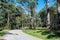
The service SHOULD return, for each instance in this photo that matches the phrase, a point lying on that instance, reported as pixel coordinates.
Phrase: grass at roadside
(3, 32)
(39, 32)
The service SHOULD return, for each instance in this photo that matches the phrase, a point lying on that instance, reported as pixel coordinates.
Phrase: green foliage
(1, 33)
(53, 12)
(8, 14)
(43, 17)
(43, 34)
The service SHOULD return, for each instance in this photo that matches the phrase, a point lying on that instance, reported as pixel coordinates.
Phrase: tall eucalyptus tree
(48, 14)
(31, 5)
(20, 14)
(58, 8)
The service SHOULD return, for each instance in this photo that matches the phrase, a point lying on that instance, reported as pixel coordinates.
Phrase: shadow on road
(11, 33)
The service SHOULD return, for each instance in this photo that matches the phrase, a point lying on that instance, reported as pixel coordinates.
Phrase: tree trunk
(48, 14)
(8, 27)
(48, 20)
(58, 5)
(34, 19)
(22, 20)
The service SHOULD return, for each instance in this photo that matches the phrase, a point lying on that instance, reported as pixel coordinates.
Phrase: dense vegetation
(41, 33)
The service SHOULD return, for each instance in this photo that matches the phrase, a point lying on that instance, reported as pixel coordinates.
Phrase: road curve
(18, 35)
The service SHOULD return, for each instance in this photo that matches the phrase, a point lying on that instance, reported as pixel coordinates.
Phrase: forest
(22, 14)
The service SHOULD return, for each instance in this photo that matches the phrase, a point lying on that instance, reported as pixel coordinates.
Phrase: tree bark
(48, 14)
(8, 22)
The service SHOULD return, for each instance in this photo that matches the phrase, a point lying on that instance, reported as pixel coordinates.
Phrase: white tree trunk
(8, 22)
(48, 14)
(48, 20)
